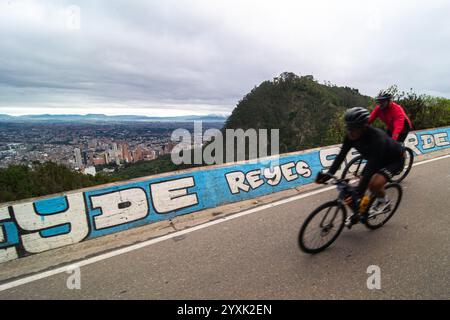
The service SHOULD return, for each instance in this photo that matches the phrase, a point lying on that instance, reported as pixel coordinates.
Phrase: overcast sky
(178, 57)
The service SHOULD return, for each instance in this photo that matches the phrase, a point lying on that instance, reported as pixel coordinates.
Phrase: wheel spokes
(378, 218)
(320, 234)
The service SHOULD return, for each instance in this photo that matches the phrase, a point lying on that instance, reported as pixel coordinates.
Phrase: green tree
(20, 181)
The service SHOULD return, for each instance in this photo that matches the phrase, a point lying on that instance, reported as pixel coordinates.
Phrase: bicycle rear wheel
(354, 169)
(322, 227)
(376, 219)
(407, 168)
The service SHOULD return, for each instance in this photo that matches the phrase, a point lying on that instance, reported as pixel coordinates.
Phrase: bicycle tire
(411, 161)
(367, 222)
(304, 247)
(350, 164)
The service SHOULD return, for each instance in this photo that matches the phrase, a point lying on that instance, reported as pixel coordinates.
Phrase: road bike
(324, 225)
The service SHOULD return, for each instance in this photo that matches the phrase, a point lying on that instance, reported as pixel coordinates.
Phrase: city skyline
(84, 146)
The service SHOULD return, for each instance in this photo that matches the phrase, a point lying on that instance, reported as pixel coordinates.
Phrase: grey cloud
(203, 56)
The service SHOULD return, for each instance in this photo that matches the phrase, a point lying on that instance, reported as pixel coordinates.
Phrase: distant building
(90, 170)
(92, 143)
(158, 152)
(106, 156)
(149, 154)
(137, 154)
(115, 151)
(84, 155)
(168, 147)
(78, 159)
(126, 156)
(91, 159)
(99, 161)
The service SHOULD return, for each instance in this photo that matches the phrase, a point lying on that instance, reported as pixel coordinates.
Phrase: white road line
(431, 160)
(115, 253)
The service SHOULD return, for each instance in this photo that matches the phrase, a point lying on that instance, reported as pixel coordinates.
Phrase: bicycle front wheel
(322, 227)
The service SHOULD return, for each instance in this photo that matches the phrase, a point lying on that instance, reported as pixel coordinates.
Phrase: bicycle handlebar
(334, 181)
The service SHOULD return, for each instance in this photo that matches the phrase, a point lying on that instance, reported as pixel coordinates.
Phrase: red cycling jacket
(393, 116)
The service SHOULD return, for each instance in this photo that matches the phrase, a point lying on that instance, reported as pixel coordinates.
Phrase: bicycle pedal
(351, 221)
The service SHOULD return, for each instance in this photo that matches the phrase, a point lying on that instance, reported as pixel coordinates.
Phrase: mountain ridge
(112, 118)
(307, 113)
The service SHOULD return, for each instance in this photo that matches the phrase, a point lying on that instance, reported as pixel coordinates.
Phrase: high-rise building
(168, 147)
(126, 153)
(78, 159)
(137, 154)
(91, 159)
(84, 157)
(111, 156)
(120, 153)
(114, 149)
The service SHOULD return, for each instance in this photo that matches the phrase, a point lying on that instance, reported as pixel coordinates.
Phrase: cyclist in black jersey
(385, 157)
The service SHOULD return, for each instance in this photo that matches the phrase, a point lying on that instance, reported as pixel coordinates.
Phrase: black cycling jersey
(376, 147)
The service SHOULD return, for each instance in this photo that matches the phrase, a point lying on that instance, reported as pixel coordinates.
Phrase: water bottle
(363, 204)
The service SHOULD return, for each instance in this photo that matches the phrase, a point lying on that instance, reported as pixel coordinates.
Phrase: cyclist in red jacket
(393, 115)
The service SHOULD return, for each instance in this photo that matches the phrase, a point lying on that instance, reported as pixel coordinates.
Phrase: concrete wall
(36, 225)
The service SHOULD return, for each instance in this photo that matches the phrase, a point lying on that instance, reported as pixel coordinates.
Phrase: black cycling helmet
(384, 96)
(356, 117)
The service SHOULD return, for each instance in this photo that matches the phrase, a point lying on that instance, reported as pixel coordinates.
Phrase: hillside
(21, 182)
(306, 112)
(145, 168)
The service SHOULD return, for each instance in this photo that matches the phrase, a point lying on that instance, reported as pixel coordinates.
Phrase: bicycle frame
(343, 188)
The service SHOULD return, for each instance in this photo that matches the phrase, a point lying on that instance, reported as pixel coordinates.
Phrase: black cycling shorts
(393, 168)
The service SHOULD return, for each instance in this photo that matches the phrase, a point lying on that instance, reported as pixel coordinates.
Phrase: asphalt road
(256, 256)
